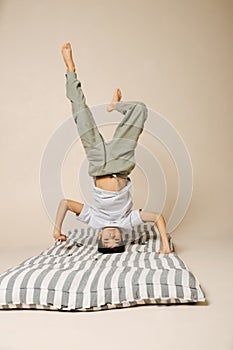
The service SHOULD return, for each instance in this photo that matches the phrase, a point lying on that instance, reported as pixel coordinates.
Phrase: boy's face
(110, 236)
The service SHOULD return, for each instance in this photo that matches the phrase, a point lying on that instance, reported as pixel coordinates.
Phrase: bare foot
(67, 55)
(116, 98)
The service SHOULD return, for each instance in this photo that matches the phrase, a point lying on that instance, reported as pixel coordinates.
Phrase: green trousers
(116, 156)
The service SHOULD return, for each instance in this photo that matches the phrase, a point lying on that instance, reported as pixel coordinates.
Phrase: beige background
(176, 56)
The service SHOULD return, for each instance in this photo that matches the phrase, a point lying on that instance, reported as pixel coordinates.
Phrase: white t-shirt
(110, 208)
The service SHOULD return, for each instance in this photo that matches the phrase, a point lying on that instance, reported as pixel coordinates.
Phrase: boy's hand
(61, 238)
(58, 236)
(165, 251)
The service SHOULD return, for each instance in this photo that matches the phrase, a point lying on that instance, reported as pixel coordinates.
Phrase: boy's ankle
(70, 68)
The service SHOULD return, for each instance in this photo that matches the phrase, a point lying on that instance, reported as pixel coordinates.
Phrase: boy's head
(110, 240)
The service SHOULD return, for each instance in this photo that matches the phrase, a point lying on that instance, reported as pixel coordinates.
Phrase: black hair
(117, 249)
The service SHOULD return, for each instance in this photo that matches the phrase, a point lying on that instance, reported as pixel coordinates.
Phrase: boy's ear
(100, 235)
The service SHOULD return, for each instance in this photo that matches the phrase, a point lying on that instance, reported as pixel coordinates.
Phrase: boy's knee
(142, 104)
(143, 108)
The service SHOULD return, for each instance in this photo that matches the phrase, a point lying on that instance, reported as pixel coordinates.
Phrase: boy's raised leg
(91, 138)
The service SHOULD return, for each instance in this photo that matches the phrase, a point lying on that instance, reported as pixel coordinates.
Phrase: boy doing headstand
(109, 165)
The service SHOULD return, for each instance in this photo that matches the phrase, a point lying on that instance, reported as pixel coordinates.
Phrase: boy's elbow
(158, 217)
(64, 202)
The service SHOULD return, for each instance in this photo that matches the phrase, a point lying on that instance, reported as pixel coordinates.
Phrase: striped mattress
(73, 275)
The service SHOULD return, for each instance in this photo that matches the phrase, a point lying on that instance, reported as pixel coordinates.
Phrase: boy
(110, 165)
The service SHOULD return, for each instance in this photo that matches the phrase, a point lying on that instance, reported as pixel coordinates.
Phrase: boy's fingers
(62, 238)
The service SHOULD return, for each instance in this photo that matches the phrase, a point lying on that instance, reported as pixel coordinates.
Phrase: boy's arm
(64, 206)
(159, 221)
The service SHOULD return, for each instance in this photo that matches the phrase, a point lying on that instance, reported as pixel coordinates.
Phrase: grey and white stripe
(70, 277)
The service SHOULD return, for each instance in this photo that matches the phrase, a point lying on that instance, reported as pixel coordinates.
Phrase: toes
(66, 46)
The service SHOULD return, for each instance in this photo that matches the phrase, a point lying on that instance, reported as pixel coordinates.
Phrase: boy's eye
(106, 239)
